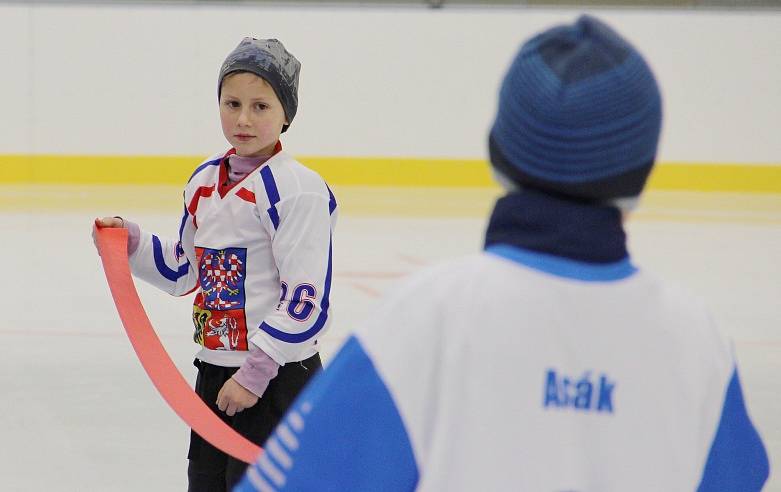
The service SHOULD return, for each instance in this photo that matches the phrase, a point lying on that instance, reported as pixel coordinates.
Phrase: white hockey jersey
(257, 256)
(518, 370)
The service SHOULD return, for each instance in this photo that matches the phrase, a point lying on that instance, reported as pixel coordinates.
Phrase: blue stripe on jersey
(203, 166)
(737, 459)
(331, 201)
(272, 193)
(564, 267)
(165, 271)
(343, 433)
(321, 318)
(184, 221)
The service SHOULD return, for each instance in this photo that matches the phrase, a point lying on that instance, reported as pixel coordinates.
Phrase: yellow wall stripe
(716, 177)
(365, 171)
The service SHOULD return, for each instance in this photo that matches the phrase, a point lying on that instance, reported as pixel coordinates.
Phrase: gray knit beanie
(269, 60)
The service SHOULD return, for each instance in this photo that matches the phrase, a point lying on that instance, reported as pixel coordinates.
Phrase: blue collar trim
(564, 267)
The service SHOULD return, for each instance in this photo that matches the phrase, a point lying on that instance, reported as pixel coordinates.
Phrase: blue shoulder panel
(343, 433)
(565, 267)
(737, 459)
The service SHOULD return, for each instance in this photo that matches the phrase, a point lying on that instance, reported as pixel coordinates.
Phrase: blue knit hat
(579, 114)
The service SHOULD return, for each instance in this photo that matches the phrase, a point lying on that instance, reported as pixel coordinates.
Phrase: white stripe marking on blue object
(287, 437)
(258, 481)
(296, 421)
(271, 471)
(278, 452)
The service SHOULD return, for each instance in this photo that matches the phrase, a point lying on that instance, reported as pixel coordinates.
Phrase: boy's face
(251, 114)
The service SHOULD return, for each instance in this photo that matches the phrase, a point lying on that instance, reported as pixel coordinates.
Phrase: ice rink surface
(81, 415)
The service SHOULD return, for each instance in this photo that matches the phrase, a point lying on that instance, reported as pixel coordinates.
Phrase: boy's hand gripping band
(112, 245)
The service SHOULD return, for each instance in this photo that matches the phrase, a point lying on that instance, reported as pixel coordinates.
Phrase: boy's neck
(240, 166)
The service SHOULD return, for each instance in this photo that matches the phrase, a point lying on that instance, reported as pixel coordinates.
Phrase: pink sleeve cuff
(257, 371)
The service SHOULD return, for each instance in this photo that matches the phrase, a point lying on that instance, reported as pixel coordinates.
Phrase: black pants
(211, 470)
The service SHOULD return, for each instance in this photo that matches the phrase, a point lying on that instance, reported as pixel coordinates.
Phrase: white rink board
(136, 79)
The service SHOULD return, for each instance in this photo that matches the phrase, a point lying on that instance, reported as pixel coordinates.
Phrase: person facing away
(254, 245)
(548, 362)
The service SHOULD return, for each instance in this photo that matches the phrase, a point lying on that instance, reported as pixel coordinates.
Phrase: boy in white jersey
(548, 362)
(254, 245)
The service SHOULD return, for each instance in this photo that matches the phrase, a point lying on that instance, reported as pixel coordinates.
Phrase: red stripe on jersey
(246, 194)
(203, 191)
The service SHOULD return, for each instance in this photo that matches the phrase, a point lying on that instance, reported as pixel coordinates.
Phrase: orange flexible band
(112, 245)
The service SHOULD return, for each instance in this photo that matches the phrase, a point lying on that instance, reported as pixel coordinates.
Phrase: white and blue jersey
(516, 369)
(258, 255)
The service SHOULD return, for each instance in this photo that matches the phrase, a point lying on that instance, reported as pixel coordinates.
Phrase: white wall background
(409, 82)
